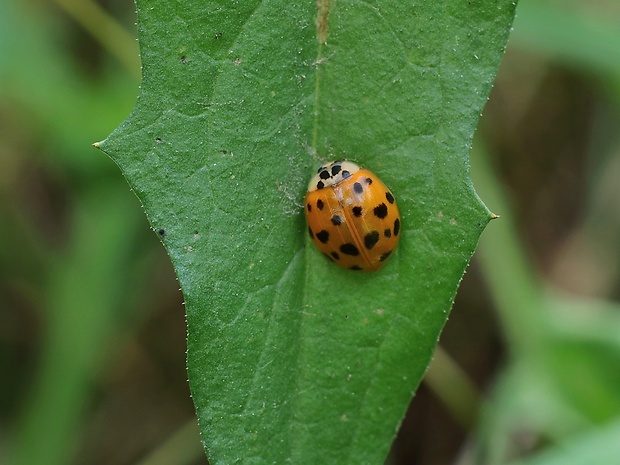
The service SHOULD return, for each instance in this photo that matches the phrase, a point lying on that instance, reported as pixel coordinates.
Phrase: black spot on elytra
(336, 220)
(385, 256)
(389, 197)
(335, 255)
(309, 207)
(357, 187)
(396, 226)
(355, 268)
(320, 204)
(323, 236)
(380, 211)
(387, 233)
(310, 232)
(369, 181)
(371, 239)
(349, 249)
(357, 211)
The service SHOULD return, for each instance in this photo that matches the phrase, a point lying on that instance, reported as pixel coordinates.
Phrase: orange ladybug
(352, 216)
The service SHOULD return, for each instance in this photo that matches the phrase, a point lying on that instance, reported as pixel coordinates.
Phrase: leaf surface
(291, 359)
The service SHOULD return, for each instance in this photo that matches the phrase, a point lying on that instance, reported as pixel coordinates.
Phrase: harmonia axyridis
(352, 216)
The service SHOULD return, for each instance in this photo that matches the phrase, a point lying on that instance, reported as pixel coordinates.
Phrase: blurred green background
(92, 329)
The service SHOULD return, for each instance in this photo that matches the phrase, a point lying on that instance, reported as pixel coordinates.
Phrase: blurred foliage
(92, 334)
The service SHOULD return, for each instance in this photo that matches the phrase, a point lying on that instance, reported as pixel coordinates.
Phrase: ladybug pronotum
(352, 216)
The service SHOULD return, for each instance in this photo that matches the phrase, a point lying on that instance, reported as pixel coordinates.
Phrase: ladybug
(352, 216)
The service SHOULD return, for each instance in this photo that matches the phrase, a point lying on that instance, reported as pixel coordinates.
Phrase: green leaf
(598, 445)
(291, 359)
